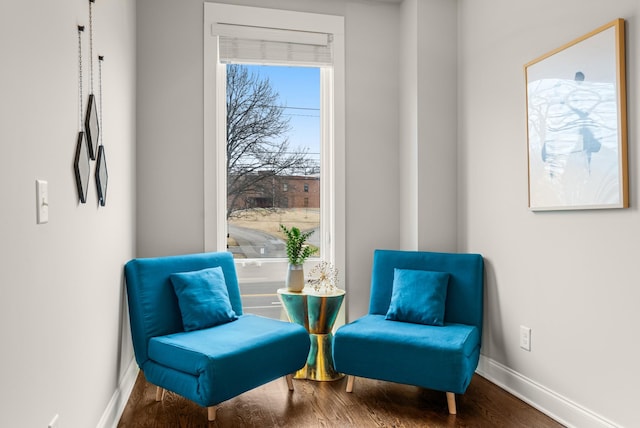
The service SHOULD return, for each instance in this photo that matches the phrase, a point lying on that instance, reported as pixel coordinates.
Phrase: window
(258, 37)
(273, 136)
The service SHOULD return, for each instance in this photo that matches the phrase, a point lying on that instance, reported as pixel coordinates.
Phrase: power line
(290, 108)
(298, 108)
(299, 115)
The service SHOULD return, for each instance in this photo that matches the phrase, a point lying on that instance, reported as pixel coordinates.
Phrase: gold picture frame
(577, 123)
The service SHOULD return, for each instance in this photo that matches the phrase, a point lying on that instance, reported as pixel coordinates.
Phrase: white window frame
(332, 126)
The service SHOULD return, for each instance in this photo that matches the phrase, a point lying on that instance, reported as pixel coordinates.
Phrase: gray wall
(570, 276)
(428, 125)
(65, 343)
(170, 130)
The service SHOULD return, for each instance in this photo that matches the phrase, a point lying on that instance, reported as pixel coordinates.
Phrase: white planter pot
(295, 278)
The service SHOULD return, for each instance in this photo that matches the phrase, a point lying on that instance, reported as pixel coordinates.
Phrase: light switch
(42, 201)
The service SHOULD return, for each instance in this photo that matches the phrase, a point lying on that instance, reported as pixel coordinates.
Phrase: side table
(317, 313)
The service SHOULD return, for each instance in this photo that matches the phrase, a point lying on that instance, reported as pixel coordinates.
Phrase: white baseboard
(112, 413)
(540, 397)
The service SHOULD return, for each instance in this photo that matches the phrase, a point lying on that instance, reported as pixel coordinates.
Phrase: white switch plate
(525, 338)
(42, 201)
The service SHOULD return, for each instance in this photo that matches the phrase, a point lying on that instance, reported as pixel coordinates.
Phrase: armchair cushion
(251, 340)
(203, 298)
(214, 364)
(418, 296)
(442, 358)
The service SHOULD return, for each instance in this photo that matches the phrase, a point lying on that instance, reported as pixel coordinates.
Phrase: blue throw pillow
(203, 298)
(418, 296)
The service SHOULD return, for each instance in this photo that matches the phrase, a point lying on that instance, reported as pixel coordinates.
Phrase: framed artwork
(577, 124)
(102, 176)
(92, 127)
(82, 167)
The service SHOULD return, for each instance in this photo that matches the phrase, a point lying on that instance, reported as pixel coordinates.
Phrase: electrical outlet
(54, 422)
(525, 338)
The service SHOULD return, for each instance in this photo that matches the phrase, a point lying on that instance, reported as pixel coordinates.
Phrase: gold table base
(317, 313)
(320, 361)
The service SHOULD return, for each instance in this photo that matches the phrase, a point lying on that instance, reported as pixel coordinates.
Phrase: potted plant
(297, 252)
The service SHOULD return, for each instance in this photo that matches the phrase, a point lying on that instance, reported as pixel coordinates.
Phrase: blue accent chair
(443, 357)
(210, 365)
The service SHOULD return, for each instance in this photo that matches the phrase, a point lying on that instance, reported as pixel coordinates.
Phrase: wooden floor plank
(326, 404)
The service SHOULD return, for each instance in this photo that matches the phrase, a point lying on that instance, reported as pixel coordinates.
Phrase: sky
(299, 90)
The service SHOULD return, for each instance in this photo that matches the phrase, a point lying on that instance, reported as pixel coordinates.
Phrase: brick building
(294, 191)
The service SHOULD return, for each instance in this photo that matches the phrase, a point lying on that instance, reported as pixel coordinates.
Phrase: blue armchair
(424, 324)
(210, 352)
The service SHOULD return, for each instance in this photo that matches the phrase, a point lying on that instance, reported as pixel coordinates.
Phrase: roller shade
(247, 45)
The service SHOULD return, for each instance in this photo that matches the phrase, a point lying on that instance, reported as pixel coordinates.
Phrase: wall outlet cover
(525, 338)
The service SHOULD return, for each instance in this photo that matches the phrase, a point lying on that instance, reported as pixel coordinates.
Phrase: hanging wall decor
(102, 176)
(81, 164)
(577, 124)
(91, 126)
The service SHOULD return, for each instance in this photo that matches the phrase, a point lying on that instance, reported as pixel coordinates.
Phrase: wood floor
(326, 404)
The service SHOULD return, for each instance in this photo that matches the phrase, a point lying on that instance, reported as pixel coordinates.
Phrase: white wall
(372, 119)
(428, 125)
(170, 129)
(408, 122)
(437, 125)
(65, 346)
(570, 276)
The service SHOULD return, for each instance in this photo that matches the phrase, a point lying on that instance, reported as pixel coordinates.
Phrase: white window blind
(261, 45)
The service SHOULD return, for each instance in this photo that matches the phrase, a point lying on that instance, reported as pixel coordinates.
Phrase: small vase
(295, 278)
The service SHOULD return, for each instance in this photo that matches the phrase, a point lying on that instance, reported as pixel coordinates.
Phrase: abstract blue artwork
(576, 114)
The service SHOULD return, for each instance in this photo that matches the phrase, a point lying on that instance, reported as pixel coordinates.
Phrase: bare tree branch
(257, 139)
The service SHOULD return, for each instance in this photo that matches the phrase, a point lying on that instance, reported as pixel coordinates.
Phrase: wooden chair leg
(451, 402)
(289, 381)
(350, 380)
(159, 394)
(211, 413)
